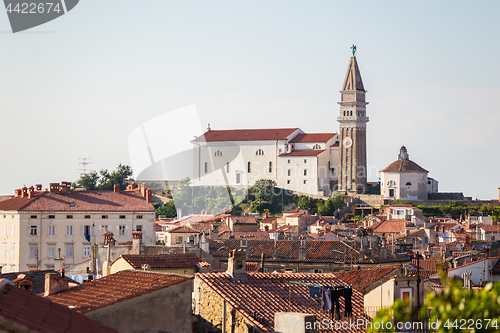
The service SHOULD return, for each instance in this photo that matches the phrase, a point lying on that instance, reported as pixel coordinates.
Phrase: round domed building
(406, 180)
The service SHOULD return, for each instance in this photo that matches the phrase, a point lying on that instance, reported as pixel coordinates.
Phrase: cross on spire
(353, 48)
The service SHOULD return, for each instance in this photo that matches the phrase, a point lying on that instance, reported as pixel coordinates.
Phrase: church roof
(353, 77)
(246, 135)
(313, 137)
(404, 166)
(310, 152)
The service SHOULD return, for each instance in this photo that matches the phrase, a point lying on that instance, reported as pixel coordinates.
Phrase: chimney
(18, 192)
(149, 195)
(236, 264)
(108, 239)
(54, 187)
(136, 242)
(179, 213)
(54, 284)
(31, 189)
(245, 247)
(63, 187)
(214, 232)
(116, 188)
(24, 192)
(266, 215)
(38, 187)
(302, 249)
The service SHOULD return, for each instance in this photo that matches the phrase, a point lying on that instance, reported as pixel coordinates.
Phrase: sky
(78, 86)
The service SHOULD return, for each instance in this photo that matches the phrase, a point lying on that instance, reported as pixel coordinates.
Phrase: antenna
(84, 161)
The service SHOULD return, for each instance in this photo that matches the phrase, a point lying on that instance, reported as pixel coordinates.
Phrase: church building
(309, 163)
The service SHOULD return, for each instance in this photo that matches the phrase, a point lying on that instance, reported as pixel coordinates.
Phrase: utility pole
(84, 161)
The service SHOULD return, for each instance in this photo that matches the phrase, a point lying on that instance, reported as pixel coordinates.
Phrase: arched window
(316, 146)
(248, 167)
(344, 113)
(408, 184)
(259, 152)
(391, 183)
(351, 112)
(218, 153)
(347, 132)
(270, 166)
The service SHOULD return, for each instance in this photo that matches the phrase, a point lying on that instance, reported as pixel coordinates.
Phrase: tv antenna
(84, 161)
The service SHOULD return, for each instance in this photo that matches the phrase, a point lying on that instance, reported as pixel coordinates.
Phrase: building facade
(40, 228)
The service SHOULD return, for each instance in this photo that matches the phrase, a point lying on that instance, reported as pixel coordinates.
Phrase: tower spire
(353, 80)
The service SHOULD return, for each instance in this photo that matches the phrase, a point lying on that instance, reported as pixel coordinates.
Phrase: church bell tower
(352, 132)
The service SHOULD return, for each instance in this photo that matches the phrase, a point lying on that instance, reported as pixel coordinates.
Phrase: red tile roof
(43, 315)
(243, 220)
(207, 226)
(246, 135)
(311, 152)
(313, 137)
(108, 201)
(296, 210)
(390, 226)
(363, 279)
(404, 166)
(244, 234)
(271, 293)
(426, 264)
(487, 228)
(114, 288)
(183, 229)
(37, 276)
(181, 260)
(268, 219)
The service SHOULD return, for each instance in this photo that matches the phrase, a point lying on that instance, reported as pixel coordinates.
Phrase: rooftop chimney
(116, 188)
(214, 232)
(266, 215)
(31, 189)
(149, 195)
(54, 187)
(136, 242)
(302, 249)
(38, 187)
(18, 192)
(63, 187)
(236, 265)
(24, 192)
(54, 284)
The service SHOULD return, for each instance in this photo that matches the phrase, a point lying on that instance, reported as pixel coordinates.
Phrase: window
(347, 132)
(12, 251)
(227, 167)
(4, 230)
(86, 230)
(86, 251)
(121, 230)
(428, 182)
(406, 293)
(104, 216)
(72, 204)
(391, 183)
(305, 181)
(69, 250)
(34, 230)
(259, 152)
(305, 172)
(289, 161)
(4, 249)
(52, 230)
(122, 216)
(391, 192)
(408, 184)
(87, 216)
(69, 230)
(316, 270)
(138, 217)
(12, 230)
(51, 251)
(218, 153)
(316, 146)
(52, 216)
(69, 216)
(248, 167)
(33, 216)
(270, 166)
(33, 251)
(178, 239)
(344, 113)
(288, 181)
(238, 178)
(305, 160)
(206, 167)
(138, 228)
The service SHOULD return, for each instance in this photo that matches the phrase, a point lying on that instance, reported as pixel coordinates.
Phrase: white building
(405, 179)
(38, 227)
(297, 161)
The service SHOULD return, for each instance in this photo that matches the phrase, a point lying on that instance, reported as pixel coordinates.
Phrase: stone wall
(210, 309)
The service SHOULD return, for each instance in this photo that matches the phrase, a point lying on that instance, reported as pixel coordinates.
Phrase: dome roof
(403, 164)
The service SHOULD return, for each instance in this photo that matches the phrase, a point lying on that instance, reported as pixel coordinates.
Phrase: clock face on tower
(347, 142)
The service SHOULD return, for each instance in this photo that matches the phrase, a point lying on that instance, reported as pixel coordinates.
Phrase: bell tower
(352, 132)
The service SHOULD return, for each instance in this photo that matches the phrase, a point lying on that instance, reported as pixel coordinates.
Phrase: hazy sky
(77, 86)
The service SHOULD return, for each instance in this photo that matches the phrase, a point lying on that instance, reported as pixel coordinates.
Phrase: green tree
(88, 181)
(331, 205)
(455, 309)
(104, 180)
(168, 210)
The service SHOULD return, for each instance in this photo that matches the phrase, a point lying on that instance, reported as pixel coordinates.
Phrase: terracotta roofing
(42, 315)
(181, 260)
(336, 144)
(243, 220)
(268, 219)
(288, 250)
(488, 228)
(109, 201)
(183, 229)
(295, 215)
(244, 234)
(37, 276)
(246, 135)
(114, 288)
(496, 268)
(404, 166)
(268, 293)
(295, 210)
(310, 152)
(424, 274)
(313, 137)
(207, 226)
(353, 77)
(390, 226)
(363, 279)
